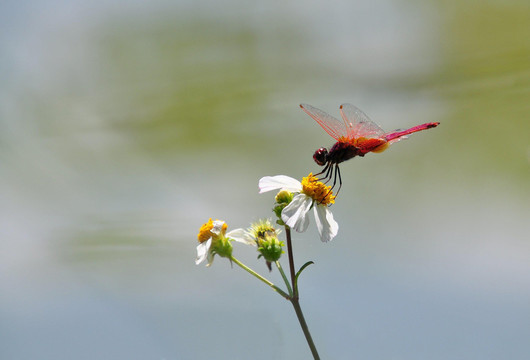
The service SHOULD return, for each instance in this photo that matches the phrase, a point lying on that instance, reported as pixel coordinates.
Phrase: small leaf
(302, 269)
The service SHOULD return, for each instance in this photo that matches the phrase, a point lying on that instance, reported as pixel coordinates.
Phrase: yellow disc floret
(212, 229)
(317, 190)
(205, 231)
(262, 229)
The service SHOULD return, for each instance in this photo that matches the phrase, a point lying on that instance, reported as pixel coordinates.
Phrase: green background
(124, 126)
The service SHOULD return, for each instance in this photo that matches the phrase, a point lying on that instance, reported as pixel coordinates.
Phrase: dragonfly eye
(321, 156)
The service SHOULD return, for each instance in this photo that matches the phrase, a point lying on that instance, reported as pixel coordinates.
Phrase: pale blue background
(125, 125)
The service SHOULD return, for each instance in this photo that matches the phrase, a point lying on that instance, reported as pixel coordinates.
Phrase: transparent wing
(334, 127)
(397, 135)
(394, 139)
(359, 124)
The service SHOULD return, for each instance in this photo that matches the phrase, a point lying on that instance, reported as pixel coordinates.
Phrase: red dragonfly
(357, 135)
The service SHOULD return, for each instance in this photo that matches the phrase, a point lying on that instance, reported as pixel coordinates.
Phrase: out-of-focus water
(125, 126)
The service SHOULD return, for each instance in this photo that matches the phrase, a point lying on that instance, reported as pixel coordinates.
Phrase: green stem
(305, 329)
(294, 298)
(252, 272)
(279, 266)
(291, 260)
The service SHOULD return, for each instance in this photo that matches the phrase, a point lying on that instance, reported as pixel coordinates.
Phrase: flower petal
(242, 236)
(210, 258)
(295, 214)
(268, 183)
(326, 225)
(217, 227)
(202, 251)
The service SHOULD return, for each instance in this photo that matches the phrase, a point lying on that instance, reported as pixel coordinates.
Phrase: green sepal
(222, 247)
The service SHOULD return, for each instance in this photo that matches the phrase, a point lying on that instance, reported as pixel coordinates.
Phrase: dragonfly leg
(329, 174)
(334, 177)
(323, 170)
(337, 172)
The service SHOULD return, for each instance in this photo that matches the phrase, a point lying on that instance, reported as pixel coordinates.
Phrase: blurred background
(124, 126)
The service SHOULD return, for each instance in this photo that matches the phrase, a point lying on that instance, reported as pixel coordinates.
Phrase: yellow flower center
(317, 190)
(204, 232)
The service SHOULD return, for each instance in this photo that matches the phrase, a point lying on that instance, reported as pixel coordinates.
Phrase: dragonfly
(356, 135)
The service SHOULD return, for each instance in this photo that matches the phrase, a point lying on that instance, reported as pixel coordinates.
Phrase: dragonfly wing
(394, 137)
(401, 134)
(359, 124)
(404, 137)
(334, 127)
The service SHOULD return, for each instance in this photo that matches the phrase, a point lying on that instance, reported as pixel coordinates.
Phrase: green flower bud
(284, 197)
(266, 237)
(278, 212)
(270, 248)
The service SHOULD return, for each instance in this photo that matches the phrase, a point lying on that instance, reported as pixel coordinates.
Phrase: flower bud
(266, 237)
(270, 248)
(284, 197)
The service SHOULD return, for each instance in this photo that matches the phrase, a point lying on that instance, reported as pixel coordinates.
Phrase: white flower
(242, 236)
(310, 193)
(203, 252)
(213, 239)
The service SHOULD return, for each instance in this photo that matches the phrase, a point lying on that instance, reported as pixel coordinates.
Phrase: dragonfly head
(321, 156)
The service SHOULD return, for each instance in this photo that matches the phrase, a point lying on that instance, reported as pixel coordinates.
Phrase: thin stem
(303, 324)
(252, 272)
(291, 260)
(279, 266)
(294, 297)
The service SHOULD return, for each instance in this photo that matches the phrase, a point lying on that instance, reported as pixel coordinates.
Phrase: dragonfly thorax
(342, 151)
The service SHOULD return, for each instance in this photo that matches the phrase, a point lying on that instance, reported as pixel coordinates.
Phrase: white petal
(268, 183)
(217, 227)
(295, 214)
(242, 236)
(326, 225)
(202, 251)
(210, 258)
